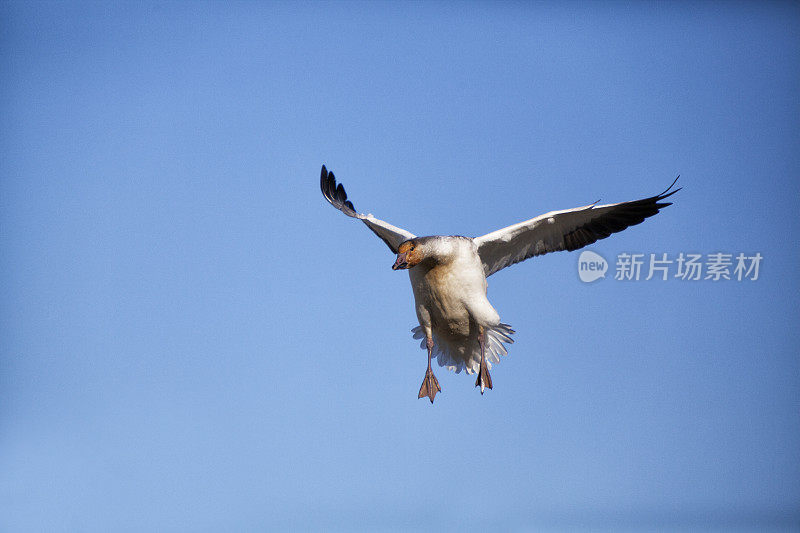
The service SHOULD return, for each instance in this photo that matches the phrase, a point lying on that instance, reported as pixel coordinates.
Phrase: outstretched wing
(569, 229)
(391, 235)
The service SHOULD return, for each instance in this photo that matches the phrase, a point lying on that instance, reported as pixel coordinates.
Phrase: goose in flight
(457, 324)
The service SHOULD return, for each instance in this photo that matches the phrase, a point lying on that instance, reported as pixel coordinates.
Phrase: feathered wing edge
(337, 197)
(335, 194)
(569, 229)
(445, 356)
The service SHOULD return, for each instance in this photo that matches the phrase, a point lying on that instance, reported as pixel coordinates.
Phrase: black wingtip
(325, 183)
(667, 190)
(335, 194)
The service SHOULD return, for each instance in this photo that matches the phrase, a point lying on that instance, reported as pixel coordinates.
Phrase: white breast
(451, 297)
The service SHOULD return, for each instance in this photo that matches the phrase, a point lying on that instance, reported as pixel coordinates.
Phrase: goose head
(410, 253)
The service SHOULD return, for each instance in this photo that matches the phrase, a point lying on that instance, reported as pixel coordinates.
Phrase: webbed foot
(430, 386)
(484, 379)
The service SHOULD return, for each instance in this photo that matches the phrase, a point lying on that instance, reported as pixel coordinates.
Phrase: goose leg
(484, 379)
(430, 385)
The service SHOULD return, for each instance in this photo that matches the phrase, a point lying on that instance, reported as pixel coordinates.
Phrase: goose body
(457, 324)
(451, 303)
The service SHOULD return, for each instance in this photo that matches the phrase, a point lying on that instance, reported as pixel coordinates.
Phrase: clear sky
(192, 339)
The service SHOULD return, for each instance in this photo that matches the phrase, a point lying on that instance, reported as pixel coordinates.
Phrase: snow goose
(457, 324)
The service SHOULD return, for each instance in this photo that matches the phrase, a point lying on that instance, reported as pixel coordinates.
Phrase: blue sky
(192, 339)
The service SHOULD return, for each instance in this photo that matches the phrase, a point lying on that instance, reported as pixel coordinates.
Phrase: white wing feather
(337, 197)
(569, 229)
